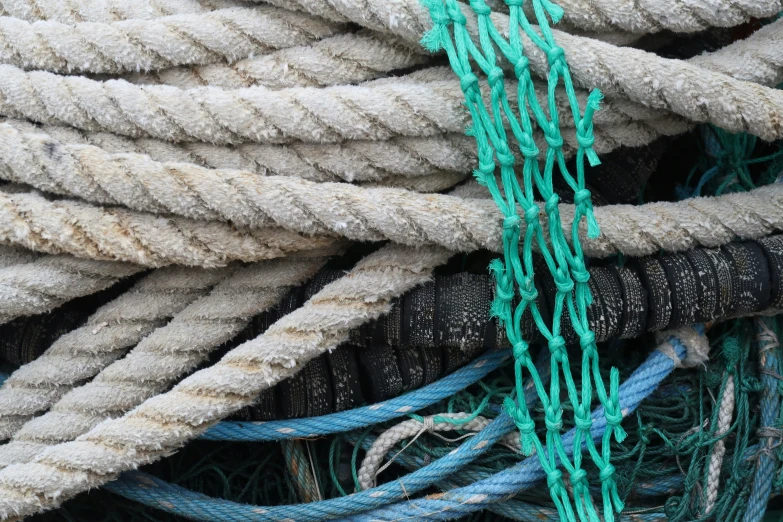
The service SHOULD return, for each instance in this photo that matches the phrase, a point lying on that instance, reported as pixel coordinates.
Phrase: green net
(515, 275)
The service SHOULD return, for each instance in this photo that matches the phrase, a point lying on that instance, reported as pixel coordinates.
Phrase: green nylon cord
(565, 262)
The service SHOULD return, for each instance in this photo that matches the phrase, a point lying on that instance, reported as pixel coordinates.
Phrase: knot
(587, 342)
(582, 196)
(551, 204)
(553, 138)
(579, 272)
(554, 55)
(520, 350)
(520, 68)
(439, 17)
(531, 214)
(504, 292)
(495, 75)
(563, 282)
(529, 149)
(511, 222)
(579, 478)
(557, 348)
(606, 473)
(486, 166)
(515, 3)
(469, 84)
(455, 13)
(613, 415)
(480, 7)
(582, 418)
(553, 419)
(584, 134)
(505, 158)
(529, 293)
(554, 479)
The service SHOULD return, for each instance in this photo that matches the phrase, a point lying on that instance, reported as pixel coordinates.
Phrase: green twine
(565, 262)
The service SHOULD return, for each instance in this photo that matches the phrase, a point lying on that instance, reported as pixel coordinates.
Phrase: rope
(523, 475)
(56, 227)
(372, 111)
(673, 85)
(337, 60)
(72, 11)
(769, 348)
(388, 162)
(643, 16)
(113, 329)
(725, 413)
(301, 472)
(366, 214)
(10, 256)
(167, 421)
(49, 281)
(133, 45)
(359, 417)
(163, 357)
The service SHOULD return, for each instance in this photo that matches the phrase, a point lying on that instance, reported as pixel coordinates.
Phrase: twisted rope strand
(338, 60)
(673, 85)
(361, 161)
(57, 227)
(641, 16)
(114, 328)
(373, 111)
(169, 420)
(133, 45)
(362, 214)
(159, 360)
(104, 11)
(10, 256)
(726, 411)
(49, 281)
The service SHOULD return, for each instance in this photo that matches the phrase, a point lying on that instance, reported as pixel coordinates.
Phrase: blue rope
(154, 492)
(770, 410)
(359, 417)
(460, 502)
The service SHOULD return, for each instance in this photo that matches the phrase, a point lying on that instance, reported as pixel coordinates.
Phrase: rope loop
(557, 348)
(582, 418)
(563, 281)
(529, 292)
(511, 223)
(553, 138)
(521, 351)
(469, 84)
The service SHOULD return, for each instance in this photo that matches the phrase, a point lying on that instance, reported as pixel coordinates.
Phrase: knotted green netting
(454, 26)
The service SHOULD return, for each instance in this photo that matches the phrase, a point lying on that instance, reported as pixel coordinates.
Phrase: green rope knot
(480, 7)
(582, 418)
(523, 422)
(563, 281)
(557, 348)
(551, 206)
(613, 413)
(521, 351)
(470, 85)
(455, 13)
(528, 292)
(553, 138)
(609, 489)
(515, 3)
(531, 215)
(553, 419)
(587, 342)
(555, 56)
(554, 479)
(521, 67)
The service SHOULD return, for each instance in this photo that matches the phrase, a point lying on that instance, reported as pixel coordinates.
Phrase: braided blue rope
(359, 417)
(152, 491)
(479, 495)
(770, 410)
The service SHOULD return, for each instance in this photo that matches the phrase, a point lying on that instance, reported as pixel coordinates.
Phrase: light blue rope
(770, 410)
(152, 491)
(359, 417)
(479, 495)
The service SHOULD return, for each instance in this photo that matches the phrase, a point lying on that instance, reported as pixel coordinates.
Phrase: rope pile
(244, 245)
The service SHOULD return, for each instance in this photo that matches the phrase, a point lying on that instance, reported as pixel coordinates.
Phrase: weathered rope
(159, 360)
(10, 256)
(725, 414)
(49, 281)
(364, 214)
(167, 421)
(673, 85)
(73, 11)
(337, 60)
(769, 436)
(133, 45)
(387, 161)
(56, 227)
(372, 111)
(644, 16)
(113, 329)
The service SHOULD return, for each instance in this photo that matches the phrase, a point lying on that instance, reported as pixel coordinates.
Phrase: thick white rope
(638, 16)
(413, 428)
(41, 160)
(365, 214)
(725, 413)
(49, 281)
(106, 336)
(673, 85)
(75, 11)
(132, 45)
(167, 421)
(374, 111)
(360, 161)
(338, 60)
(113, 234)
(160, 360)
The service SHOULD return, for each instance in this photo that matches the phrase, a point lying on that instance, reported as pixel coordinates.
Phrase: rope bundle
(249, 143)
